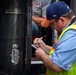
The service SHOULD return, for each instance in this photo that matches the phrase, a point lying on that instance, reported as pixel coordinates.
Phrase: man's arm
(49, 64)
(38, 20)
(46, 48)
(40, 54)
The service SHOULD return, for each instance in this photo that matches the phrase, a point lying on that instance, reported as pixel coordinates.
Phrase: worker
(61, 58)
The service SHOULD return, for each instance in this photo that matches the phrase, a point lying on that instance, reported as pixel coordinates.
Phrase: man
(61, 58)
(39, 10)
(38, 15)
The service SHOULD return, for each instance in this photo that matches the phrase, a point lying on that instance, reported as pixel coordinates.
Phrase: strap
(73, 26)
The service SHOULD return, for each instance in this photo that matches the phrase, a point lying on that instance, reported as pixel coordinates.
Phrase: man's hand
(39, 52)
(39, 43)
(38, 20)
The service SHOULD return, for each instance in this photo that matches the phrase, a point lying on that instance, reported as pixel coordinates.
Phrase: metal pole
(15, 36)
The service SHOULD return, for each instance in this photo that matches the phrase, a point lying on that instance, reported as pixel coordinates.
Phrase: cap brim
(45, 23)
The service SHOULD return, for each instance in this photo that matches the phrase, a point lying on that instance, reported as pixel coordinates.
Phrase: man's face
(56, 24)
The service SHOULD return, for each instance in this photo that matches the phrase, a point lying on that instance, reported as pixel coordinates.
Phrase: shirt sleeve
(36, 8)
(44, 5)
(65, 53)
(39, 7)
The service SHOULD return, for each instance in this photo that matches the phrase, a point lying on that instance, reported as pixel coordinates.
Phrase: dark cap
(56, 10)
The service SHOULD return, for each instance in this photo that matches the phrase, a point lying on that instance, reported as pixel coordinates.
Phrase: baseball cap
(54, 11)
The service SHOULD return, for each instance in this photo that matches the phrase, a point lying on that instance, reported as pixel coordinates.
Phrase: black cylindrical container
(13, 35)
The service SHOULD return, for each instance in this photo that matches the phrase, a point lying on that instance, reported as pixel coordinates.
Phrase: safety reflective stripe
(70, 27)
(72, 70)
(51, 51)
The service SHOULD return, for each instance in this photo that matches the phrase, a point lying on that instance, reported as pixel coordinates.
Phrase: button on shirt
(65, 53)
